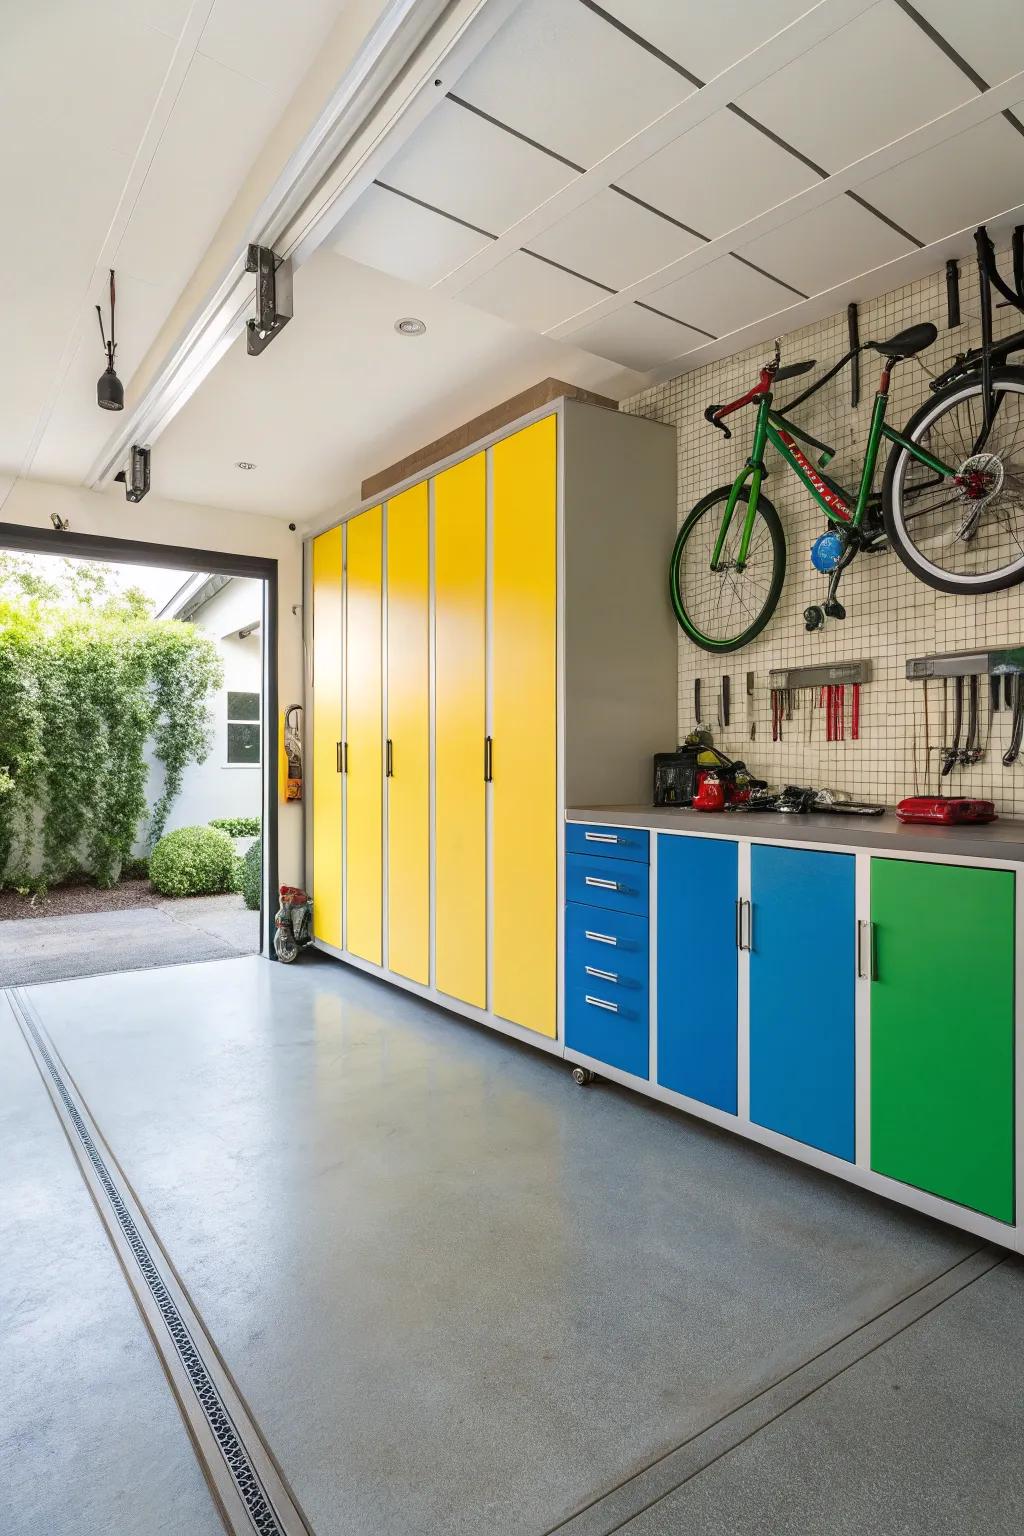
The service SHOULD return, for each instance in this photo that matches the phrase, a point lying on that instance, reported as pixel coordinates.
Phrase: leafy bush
(135, 869)
(237, 826)
(252, 876)
(193, 861)
(87, 679)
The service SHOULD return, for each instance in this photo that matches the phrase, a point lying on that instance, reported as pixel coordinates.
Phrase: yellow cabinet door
(407, 761)
(363, 703)
(460, 722)
(524, 718)
(327, 798)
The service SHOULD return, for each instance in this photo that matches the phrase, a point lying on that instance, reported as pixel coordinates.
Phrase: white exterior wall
(216, 787)
(107, 514)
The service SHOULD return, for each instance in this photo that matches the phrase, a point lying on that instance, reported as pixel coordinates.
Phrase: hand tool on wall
(696, 699)
(971, 750)
(1013, 750)
(855, 714)
(750, 705)
(995, 693)
(952, 753)
(1008, 690)
(725, 699)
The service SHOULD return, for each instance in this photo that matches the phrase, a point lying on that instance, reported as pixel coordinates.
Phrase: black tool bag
(675, 776)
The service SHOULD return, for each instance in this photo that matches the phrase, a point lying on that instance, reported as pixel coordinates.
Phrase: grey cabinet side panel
(621, 650)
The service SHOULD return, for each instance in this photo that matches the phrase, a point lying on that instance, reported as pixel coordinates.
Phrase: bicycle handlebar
(987, 261)
(711, 414)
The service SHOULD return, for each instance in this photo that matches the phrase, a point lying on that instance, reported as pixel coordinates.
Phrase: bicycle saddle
(794, 370)
(905, 343)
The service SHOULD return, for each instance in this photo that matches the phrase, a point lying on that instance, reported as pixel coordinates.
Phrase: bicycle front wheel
(725, 609)
(964, 532)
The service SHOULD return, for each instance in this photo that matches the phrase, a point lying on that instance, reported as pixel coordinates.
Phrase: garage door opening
(138, 756)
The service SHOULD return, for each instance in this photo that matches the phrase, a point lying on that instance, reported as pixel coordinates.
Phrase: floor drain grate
(248, 1486)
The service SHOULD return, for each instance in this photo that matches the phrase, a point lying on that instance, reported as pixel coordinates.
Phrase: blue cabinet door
(802, 996)
(697, 968)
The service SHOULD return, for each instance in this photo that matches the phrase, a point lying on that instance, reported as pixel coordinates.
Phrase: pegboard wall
(891, 615)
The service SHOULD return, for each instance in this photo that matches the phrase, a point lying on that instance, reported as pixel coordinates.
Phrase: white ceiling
(609, 192)
(128, 127)
(824, 145)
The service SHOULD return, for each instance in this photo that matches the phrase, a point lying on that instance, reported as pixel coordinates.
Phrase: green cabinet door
(942, 1030)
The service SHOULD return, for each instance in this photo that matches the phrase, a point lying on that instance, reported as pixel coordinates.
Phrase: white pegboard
(891, 615)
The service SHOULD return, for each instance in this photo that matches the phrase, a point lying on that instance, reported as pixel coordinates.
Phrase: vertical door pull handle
(750, 925)
(338, 756)
(488, 759)
(389, 766)
(344, 757)
(866, 929)
(739, 923)
(744, 924)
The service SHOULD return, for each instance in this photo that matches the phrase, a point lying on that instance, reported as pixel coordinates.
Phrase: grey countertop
(993, 840)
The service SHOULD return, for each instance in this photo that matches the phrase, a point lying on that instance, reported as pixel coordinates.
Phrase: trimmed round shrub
(238, 826)
(192, 861)
(252, 876)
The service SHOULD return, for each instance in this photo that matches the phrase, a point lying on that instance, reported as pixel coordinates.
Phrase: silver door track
(246, 1484)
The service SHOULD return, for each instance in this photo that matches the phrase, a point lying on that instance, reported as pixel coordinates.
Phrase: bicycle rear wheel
(962, 533)
(725, 609)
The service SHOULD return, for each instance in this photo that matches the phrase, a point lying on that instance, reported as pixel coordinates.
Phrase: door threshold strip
(247, 1486)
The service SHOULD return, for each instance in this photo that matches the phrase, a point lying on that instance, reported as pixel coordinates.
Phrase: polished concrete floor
(464, 1297)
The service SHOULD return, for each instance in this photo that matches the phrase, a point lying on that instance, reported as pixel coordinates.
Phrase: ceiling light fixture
(109, 389)
(244, 464)
(410, 326)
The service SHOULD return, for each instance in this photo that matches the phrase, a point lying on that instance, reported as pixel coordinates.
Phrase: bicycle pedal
(834, 610)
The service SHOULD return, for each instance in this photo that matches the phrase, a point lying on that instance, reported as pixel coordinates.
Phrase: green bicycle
(951, 504)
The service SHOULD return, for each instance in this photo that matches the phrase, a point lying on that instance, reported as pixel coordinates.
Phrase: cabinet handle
(606, 885)
(739, 923)
(600, 837)
(599, 1002)
(488, 759)
(871, 973)
(338, 756)
(389, 766)
(744, 909)
(593, 970)
(599, 938)
(750, 925)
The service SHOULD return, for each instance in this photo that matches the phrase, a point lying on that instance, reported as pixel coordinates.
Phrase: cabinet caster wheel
(814, 618)
(581, 1076)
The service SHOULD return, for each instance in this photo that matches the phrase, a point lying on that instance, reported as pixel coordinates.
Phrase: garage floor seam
(248, 1487)
(616, 1509)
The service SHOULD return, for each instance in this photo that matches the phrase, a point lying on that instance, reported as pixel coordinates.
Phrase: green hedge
(237, 826)
(252, 877)
(193, 861)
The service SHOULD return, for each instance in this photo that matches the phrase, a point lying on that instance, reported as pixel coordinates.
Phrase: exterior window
(244, 729)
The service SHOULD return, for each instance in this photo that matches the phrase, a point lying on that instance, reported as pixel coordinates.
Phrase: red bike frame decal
(831, 498)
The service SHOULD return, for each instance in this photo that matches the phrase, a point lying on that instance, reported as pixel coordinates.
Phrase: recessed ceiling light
(244, 464)
(410, 326)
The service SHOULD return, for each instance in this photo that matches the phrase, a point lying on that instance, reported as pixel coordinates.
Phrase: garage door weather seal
(249, 1489)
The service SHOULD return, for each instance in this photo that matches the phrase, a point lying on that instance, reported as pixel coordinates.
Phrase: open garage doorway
(138, 755)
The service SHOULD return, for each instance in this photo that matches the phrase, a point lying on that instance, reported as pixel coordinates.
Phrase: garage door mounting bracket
(273, 298)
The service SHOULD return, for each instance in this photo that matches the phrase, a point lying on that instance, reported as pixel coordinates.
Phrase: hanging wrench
(952, 752)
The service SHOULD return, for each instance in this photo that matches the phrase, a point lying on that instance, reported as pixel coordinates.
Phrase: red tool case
(944, 810)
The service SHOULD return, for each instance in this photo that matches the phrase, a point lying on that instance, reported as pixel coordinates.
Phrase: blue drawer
(600, 940)
(610, 1023)
(608, 842)
(617, 883)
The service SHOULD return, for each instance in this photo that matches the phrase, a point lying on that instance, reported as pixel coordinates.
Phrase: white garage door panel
(636, 338)
(722, 297)
(387, 231)
(530, 292)
(965, 181)
(706, 36)
(990, 35)
(719, 175)
(614, 240)
(827, 246)
(567, 79)
(464, 165)
(871, 82)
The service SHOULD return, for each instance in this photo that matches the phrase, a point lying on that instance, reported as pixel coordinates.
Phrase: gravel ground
(66, 900)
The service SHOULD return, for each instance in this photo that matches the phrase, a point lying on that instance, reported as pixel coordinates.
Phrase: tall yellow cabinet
(508, 650)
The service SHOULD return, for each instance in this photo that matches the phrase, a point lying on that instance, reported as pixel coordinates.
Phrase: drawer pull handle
(593, 970)
(606, 885)
(599, 938)
(600, 837)
(870, 972)
(599, 1002)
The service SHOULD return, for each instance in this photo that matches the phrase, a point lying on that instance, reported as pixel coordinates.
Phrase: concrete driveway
(136, 938)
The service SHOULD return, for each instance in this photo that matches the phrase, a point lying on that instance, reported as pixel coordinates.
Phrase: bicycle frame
(772, 427)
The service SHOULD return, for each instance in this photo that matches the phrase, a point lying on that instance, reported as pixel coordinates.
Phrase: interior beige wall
(891, 615)
(31, 502)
